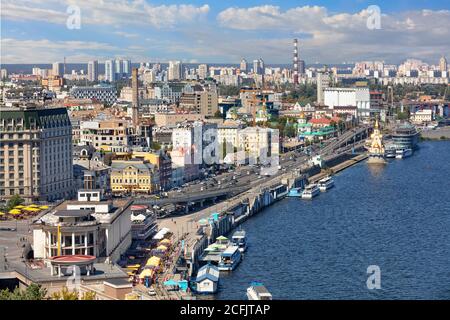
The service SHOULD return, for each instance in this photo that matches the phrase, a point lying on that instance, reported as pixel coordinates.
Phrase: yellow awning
(146, 273)
(31, 209)
(15, 211)
(43, 207)
(19, 206)
(165, 242)
(153, 261)
(162, 248)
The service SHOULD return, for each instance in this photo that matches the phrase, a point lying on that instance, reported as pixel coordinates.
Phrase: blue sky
(35, 31)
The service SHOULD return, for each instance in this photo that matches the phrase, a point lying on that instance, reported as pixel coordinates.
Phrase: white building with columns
(90, 226)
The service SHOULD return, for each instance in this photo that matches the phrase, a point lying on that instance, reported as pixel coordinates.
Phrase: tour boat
(239, 239)
(403, 153)
(326, 184)
(229, 259)
(310, 191)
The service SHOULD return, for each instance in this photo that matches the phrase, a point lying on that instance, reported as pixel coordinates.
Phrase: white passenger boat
(257, 291)
(239, 239)
(229, 259)
(326, 184)
(403, 153)
(310, 191)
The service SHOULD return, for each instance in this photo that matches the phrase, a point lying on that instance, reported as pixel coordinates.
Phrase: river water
(396, 217)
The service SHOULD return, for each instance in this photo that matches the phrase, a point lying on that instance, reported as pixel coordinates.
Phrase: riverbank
(436, 134)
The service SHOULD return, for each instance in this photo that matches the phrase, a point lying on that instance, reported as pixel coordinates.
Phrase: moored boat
(390, 152)
(310, 191)
(239, 239)
(229, 259)
(403, 153)
(326, 184)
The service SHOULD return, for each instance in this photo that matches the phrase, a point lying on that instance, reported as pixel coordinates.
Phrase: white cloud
(126, 34)
(44, 50)
(334, 37)
(113, 12)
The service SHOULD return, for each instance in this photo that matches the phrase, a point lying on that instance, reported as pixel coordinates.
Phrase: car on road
(151, 292)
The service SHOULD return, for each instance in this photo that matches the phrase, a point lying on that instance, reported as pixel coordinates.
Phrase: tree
(32, 292)
(218, 114)
(155, 145)
(89, 295)
(229, 90)
(14, 201)
(65, 294)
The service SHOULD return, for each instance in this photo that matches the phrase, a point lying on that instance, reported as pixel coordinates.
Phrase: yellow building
(162, 163)
(134, 176)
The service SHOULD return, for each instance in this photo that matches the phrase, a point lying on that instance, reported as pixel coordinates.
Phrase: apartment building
(105, 134)
(104, 93)
(35, 153)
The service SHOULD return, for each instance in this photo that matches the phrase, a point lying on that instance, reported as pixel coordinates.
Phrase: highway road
(245, 177)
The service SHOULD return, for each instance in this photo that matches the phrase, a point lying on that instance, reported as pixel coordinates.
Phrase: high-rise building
(202, 71)
(118, 68)
(301, 67)
(110, 73)
(3, 74)
(261, 66)
(323, 82)
(443, 64)
(256, 67)
(243, 66)
(93, 71)
(35, 153)
(58, 69)
(175, 70)
(126, 68)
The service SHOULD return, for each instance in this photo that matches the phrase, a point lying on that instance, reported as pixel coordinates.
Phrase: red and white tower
(296, 62)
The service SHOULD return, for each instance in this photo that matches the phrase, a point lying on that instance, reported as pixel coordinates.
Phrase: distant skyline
(333, 32)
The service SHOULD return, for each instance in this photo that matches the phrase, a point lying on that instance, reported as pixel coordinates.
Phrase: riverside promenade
(185, 228)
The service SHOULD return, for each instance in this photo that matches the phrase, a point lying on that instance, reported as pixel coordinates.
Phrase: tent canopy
(162, 248)
(161, 233)
(146, 273)
(171, 282)
(165, 241)
(153, 261)
(221, 238)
